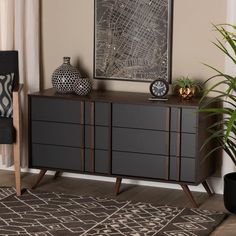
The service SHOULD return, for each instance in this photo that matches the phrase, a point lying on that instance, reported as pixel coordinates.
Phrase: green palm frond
(223, 131)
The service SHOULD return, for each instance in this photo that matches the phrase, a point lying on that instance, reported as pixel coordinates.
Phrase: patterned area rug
(42, 214)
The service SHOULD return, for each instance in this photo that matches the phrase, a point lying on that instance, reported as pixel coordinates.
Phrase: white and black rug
(43, 214)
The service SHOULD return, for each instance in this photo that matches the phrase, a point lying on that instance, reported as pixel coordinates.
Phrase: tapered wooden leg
(57, 174)
(39, 178)
(16, 150)
(189, 195)
(118, 183)
(207, 188)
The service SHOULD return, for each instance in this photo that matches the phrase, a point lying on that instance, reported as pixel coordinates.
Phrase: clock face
(159, 88)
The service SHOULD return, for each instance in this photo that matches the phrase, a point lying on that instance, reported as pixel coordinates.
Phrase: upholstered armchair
(10, 114)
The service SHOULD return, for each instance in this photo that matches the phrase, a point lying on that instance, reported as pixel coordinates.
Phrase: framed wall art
(133, 39)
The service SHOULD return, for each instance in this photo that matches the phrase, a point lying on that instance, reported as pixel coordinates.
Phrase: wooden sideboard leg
(57, 174)
(189, 195)
(39, 178)
(207, 188)
(118, 183)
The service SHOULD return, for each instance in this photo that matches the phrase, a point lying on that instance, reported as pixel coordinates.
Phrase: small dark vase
(64, 77)
(230, 192)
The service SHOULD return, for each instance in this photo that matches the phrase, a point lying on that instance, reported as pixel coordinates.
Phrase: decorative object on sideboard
(82, 86)
(224, 130)
(186, 88)
(133, 41)
(64, 77)
(159, 88)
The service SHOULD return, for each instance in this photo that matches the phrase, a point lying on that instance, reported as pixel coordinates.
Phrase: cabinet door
(141, 165)
(59, 110)
(140, 141)
(141, 117)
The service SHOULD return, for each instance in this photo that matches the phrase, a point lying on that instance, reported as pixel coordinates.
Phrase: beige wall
(67, 30)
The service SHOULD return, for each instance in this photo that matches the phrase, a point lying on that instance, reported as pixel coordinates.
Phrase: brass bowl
(187, 93)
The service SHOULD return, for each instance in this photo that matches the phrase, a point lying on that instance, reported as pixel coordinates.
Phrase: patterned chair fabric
(8, 65)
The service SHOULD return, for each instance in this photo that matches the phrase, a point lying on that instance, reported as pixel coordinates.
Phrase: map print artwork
(131, 39)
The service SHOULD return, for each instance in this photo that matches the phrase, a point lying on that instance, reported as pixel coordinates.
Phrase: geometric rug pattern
(43, 214)
(5, 192)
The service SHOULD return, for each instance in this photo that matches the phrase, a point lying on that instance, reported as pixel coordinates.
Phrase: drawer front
(139, 116)
(140, 165)
(56, 133)
(101, 134)
(100, 163)
(187, 170)
(189, 120)
(141, 141)
(188, 145)
(57, 157)
(98, 113)
(60, 110)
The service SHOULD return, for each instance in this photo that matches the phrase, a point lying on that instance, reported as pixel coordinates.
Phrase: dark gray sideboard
(122, 135)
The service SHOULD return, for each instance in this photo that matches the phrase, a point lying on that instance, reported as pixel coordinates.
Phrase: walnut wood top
(121, 97)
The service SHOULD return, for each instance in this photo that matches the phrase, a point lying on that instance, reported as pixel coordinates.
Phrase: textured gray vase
(82, 86)
(64, 77)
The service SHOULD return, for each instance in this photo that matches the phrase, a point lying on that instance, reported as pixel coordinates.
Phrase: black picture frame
(112, 29)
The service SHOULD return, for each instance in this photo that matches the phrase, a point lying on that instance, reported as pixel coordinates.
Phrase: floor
(128, 192)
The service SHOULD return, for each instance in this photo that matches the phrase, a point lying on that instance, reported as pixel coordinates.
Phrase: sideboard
(122, 135)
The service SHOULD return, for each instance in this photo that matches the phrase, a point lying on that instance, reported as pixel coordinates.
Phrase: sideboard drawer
(60, 110)
(142, 117)
(142, 141)
(189, 120)
(188, 145)
(142, 165)
(188, 170)
(57, 157)
(56, 133)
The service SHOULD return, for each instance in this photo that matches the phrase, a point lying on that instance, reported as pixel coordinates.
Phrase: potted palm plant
(223, 86)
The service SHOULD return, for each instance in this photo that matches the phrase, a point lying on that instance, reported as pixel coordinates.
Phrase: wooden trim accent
(82, 135)
(117, 187)
(110, 140)
(39, 178)
(168, 137)
(17, 123)
(189, 195)
(178, 168)
(207, 188)
(92, 117)
(178, 156)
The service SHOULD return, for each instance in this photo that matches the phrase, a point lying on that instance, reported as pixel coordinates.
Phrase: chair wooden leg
(117, 187)
(189, 195)
(39, 178)
(16, 153)
(207, 188)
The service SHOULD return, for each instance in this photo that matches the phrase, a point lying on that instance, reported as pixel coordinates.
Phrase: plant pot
(230, 192)
(187, 93)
